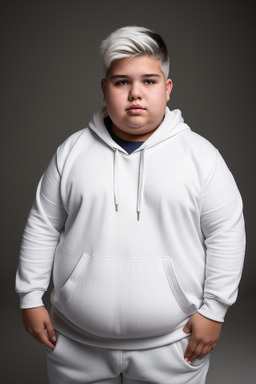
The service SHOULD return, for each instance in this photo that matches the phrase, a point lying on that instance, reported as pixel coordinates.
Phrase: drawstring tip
(116, 207)
(138, 216)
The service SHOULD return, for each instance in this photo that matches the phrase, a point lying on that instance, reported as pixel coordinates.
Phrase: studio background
(50, 86)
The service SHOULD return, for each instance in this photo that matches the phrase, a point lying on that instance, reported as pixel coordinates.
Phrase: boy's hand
(37, 322)
(204, 336)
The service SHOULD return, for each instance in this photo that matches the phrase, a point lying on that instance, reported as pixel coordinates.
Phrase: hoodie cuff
(31, 299)
(214, 309)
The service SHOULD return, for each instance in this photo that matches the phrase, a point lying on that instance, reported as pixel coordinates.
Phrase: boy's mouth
(135, 108)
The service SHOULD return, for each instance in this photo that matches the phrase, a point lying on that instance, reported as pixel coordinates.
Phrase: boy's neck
(126, 136)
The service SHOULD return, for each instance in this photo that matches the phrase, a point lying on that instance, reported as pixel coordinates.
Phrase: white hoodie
(139, 242)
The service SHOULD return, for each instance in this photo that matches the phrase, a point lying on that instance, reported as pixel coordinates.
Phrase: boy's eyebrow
(119, 77)
(151, 75)
(127, 77)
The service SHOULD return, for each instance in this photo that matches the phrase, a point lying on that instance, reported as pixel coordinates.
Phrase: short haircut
(134, 41)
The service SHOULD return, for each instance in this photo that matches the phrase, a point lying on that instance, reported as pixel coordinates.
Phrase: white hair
(134, 41)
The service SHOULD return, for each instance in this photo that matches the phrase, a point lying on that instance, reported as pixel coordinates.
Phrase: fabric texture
(137, 243)
(75, 363)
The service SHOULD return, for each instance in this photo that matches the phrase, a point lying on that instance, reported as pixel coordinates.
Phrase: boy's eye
(121, 82)
(149, 82)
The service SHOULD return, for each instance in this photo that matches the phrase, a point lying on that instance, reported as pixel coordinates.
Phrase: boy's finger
(190, 350)
(188, 328)
(197, 352)
(45, 340)
(42, 337)
(204, 352)
(50, 332)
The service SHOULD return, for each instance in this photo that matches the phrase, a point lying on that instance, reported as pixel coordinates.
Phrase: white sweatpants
(72, 362)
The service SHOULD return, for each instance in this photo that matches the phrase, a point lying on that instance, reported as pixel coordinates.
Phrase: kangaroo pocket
(123, 298)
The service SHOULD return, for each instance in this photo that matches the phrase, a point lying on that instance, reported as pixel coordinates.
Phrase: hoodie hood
(172, 125)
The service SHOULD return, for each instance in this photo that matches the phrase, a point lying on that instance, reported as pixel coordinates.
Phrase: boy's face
(136, 92)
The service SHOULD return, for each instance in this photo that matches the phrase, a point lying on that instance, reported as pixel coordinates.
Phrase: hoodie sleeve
(223, 227)
(41, 236)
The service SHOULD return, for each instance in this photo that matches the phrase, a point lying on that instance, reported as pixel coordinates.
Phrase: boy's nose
(135, 93)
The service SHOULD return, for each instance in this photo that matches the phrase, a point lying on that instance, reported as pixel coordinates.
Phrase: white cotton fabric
(77, 363)
(138, 242)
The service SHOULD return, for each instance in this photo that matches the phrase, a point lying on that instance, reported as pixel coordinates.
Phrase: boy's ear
(103, 87)
(169, 85)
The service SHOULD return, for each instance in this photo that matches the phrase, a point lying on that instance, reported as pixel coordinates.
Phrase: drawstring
(140, 181)
(116, 199)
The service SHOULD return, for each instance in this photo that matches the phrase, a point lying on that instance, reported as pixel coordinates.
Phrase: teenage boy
(142, 222)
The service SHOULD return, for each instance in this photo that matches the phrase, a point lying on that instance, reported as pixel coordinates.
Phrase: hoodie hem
(63, 326)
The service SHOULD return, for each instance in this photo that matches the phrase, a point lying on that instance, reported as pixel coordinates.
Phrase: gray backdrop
(50, 86)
